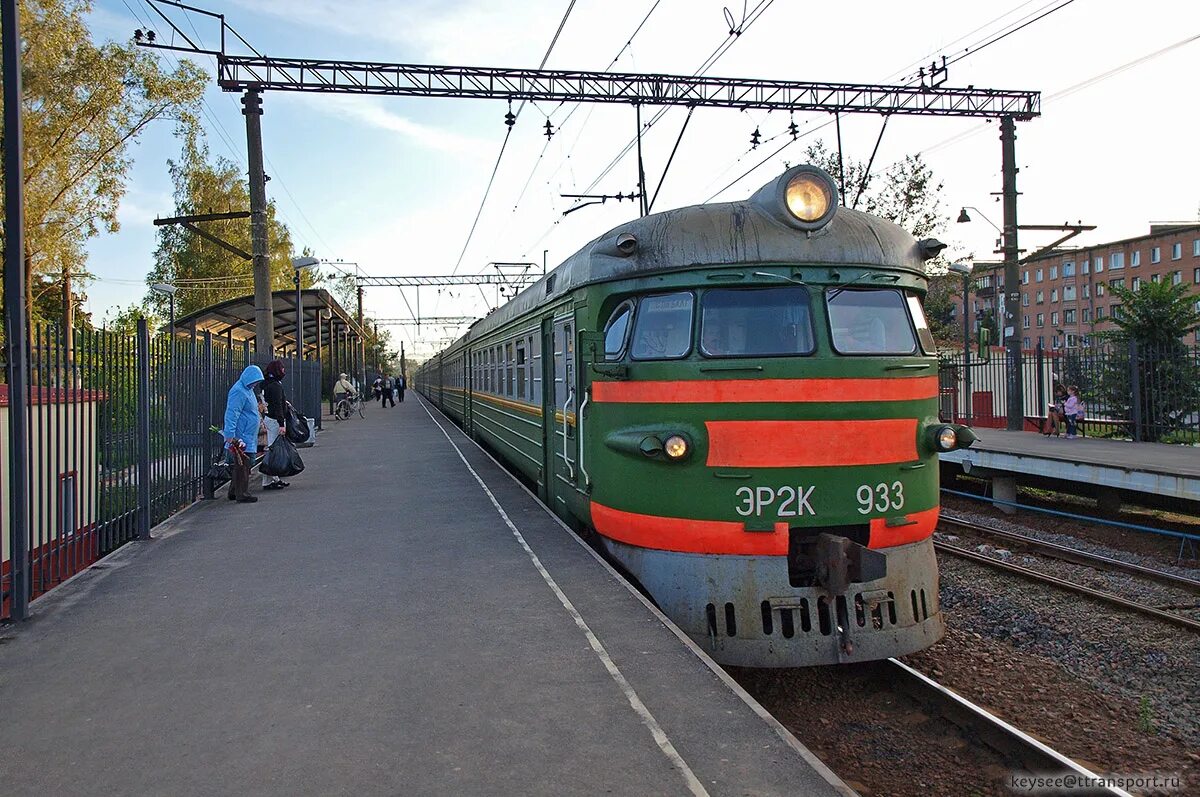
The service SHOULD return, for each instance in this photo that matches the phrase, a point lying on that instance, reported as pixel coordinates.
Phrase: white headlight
(676, 447)
(947, 438)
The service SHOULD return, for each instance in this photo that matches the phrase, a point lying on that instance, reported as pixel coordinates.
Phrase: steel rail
(1035, 756)
(1071, 586)
(1072, 555)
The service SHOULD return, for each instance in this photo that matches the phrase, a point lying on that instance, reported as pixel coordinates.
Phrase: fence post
(1040, 376)
(143, 430)
(1135, 386)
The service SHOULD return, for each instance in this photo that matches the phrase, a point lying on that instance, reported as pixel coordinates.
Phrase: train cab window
(616, 331)
(663, 327)
(918, 317)
(521, 370)
(872, 321)
(755, 322)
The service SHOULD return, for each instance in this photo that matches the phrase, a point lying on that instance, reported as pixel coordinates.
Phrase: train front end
(763, 429)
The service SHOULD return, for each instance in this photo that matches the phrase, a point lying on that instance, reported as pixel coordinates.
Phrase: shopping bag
(296, 426)
(282, 459)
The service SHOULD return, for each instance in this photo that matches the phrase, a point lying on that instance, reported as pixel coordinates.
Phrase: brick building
(1065, 294)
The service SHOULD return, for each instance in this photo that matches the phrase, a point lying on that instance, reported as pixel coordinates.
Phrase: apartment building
(1066, 295)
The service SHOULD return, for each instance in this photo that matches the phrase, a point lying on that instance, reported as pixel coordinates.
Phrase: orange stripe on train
(719, 391)
(810, 444)
(684, 535)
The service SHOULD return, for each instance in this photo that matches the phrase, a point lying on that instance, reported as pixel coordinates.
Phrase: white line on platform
(660, 736)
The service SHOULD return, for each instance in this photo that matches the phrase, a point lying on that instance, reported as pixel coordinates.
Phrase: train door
(545, 368)
(467, 386)
(564, 444)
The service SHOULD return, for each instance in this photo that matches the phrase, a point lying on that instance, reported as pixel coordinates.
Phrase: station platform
(389, 624)
(1147, 469)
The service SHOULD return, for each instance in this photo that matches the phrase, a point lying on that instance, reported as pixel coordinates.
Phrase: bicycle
(347, 406)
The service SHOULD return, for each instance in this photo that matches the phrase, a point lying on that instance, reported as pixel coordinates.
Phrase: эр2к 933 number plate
(788, 501)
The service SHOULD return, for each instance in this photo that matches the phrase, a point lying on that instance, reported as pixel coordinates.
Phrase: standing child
(1073, 410)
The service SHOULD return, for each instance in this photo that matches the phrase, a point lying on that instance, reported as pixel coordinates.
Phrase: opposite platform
(1150, 468)
(377, 628)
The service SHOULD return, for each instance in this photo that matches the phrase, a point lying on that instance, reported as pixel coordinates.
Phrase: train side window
(616, 331)
(509, 387)
(521, 366)
(871, 321)
(918, 317)
(755, 322)
(663, 327)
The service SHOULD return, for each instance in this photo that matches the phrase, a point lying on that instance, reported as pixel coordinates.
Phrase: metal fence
(1145, 393)
(119, 439)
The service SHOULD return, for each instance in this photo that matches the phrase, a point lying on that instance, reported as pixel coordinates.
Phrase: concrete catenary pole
(1012, 282)
(264, 312)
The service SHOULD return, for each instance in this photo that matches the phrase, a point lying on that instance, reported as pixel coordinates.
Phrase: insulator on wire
(549, 130)
(755, 139)
(510, 118)
(794, 129)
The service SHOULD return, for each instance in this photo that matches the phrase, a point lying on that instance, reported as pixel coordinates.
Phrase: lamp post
(299, 264)
(964, 270)
(169, 291)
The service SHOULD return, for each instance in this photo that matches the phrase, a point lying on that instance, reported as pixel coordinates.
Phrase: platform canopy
(234, 318)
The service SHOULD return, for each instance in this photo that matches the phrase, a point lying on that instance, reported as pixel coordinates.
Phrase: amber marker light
(676, 447)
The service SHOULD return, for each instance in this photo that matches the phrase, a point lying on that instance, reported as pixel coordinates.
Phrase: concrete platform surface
(1150, 457)
(377, 628)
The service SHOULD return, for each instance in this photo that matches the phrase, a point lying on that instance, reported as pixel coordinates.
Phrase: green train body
(742, 404)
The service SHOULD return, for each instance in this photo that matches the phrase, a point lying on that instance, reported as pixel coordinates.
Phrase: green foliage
(1147, 346)
(204, 272)
(84, 104)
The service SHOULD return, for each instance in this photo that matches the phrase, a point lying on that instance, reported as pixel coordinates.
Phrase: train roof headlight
(676, 447)
(947, 438)
(809, 197)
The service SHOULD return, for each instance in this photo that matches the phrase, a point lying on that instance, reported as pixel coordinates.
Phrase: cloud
(370, 111)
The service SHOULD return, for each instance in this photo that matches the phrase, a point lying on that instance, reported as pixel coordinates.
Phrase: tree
(84, 104)
(1148, 350)
(205, 272)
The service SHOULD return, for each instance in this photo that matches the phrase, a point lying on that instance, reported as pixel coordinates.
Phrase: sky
(394, 184)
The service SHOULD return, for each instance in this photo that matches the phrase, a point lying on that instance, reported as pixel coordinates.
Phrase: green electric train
(740, 401)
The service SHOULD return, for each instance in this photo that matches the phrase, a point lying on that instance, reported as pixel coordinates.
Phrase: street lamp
(299, 264)
(964, 218)
(169, 291)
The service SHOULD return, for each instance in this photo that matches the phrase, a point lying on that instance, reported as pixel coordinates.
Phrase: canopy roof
(235, 317)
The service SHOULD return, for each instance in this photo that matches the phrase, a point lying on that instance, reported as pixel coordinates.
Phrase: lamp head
(961, 269)
(300, 263)
(963, 218)
(162, 287)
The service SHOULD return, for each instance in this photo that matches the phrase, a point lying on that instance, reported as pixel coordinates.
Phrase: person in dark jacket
(241, 432)
(276, 415)
(400, 385)
(385, 395)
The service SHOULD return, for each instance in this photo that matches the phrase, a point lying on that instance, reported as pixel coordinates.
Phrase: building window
(1116, 261)
(1196, 248)
(1068, 269)
(1136, 283)
(1041, 297)
(1176, 277)
(1135, 259)
(1098, 263)
(1054, 272)
(1176, 251)
(1100, 313)
(1196, 276)
(1068, 316)
(1116, 311)
(1024, 322)
(1085, 267)
(1072, 341)
(1055, 342)
(1054, 296)
(1025, 297)
(1025, 340)
(1038, 275)
(1156, 278)
(1068, 293)
(1119, 283)
(1054, 319)
(1099, 289)
(1041, 319)
(1085, 315)
(1087, 290)
(1025, 275)
(1155, 254)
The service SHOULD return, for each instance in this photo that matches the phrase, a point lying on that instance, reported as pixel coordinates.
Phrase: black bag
(296, 426)
(282, 459)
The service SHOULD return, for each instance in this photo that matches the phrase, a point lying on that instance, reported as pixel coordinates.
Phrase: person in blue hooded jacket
(241, 432)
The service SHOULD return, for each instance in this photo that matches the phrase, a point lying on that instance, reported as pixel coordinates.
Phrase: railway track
(1073, 556)
(980, 724)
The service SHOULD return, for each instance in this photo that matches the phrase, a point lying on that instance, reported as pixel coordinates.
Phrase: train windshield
(663, 327)
(750, 322)
(870, 322)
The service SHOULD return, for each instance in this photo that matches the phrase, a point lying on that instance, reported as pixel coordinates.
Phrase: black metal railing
(1149, 393)
(119, 440)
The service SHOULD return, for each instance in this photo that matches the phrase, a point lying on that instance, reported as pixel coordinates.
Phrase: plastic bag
(296, 426)
(282, 459)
